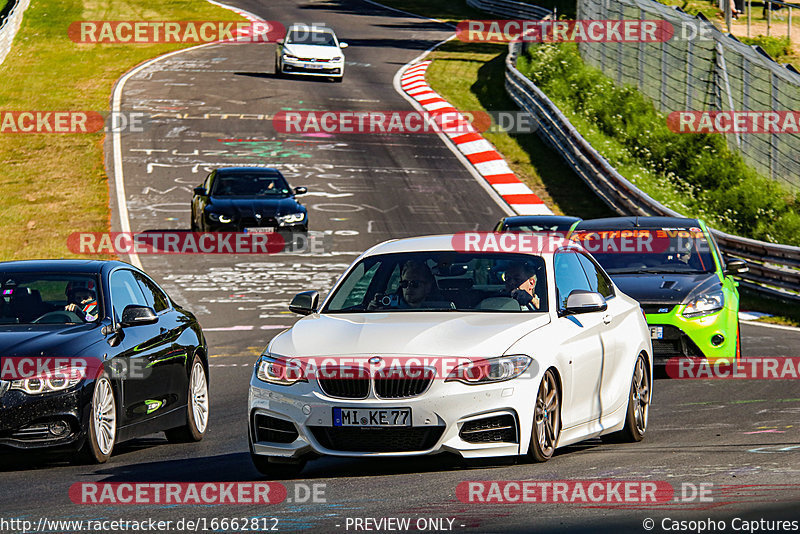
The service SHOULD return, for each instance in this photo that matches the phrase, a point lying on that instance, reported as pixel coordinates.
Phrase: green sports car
(674, 268)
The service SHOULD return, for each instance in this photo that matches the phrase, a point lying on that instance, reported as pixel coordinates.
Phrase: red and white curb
(478, 151)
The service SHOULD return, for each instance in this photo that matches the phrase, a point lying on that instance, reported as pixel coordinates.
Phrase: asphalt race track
(211, 107)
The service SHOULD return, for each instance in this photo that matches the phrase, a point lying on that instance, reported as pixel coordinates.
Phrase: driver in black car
(82, 301)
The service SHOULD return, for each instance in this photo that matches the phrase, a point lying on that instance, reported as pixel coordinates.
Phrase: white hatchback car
(422, 347)
(312, 51)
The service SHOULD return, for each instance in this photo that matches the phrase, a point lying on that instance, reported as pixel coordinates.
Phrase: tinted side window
(569, 276)
(125, 291)
(156, 298)
(598, 281)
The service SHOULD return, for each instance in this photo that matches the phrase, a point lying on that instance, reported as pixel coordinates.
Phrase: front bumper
(438, 419)
(313, 68)
(25, 419)
(692, 336)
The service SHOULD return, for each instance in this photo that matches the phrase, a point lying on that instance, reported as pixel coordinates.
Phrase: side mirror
(736, 266)
(582, 301)
(342, 44)
(135, 315)
(200, 191)
(300, 190)
(305, 303)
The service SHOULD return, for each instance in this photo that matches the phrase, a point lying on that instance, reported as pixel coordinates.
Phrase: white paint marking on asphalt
(116, 140)
(769, 325)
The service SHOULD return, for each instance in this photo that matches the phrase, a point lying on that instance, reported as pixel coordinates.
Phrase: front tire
(638, 404)
(546, 419)
(102, 434)
(197, 407)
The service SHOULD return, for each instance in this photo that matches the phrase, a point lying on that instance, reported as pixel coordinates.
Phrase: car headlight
(279, 371)
(490, 370)
(337, 58)
(220, 217)
(293, 218)
(289, 56)
(705, 304)
(59, 380)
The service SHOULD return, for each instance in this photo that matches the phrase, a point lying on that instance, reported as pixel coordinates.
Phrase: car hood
(247, 207)
(47, 340)
(664, 288)
(313, 51)
(417, 333)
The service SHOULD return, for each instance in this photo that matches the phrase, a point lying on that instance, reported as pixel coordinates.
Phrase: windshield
(649, 250)
(250, 185)
(310, 38)
(35, 298)
(443, 281)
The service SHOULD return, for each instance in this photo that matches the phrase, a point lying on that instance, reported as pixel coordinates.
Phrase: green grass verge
(471, 77)
(55, 184)
(694, 174)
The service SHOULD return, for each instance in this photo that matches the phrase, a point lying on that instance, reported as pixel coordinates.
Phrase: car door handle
(607, 318)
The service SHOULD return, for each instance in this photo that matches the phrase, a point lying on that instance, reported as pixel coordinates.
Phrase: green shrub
(695, 174)
(776, 47)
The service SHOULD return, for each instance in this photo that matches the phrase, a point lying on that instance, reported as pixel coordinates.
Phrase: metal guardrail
(511, 8)
(773, 268)
(10, 25)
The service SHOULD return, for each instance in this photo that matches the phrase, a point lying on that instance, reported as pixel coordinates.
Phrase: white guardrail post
(10, 25)
(774, 269)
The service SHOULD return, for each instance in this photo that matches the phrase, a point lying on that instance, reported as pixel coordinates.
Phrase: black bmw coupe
(247, 199)
(93, 353)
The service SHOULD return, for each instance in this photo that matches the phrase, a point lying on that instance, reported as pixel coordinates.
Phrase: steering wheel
(58, 317)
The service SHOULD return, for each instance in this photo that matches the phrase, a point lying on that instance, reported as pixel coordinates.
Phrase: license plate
(259, 230)
(656, 332)
(366, 417)
(314, 66)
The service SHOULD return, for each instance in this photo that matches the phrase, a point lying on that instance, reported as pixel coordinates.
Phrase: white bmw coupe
(424, 346)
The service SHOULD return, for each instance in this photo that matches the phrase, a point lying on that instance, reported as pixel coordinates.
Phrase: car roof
(308, 28)
(444, 242)
(614, 223)
(61, 266)
(538, 219)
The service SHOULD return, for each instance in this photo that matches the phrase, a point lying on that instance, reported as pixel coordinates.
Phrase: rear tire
(546, 419)
(638, 404)
(197, 407)
(102, 433)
